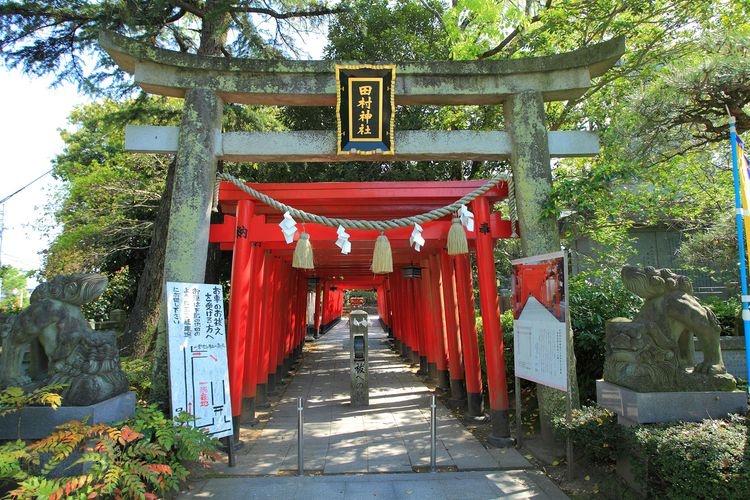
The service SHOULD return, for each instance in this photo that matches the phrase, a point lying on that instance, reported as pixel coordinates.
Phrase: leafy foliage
(58, 37)
(676, 461)
(111, 196)
(727, 311)
(138, 371)
(714, 249)
(13, 399)
(143, 457)
(594, 432)
(14, 289)
(595, 297)
(693, 460)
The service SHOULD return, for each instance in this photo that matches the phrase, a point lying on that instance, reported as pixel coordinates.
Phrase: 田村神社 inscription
(365, 109)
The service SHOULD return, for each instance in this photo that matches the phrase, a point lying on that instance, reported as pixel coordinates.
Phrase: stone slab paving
(341, 442)
(517, 484)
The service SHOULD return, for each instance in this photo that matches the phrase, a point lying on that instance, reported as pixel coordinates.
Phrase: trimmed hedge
(709, 459)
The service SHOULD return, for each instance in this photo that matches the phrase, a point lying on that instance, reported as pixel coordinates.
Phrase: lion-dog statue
(60, 345)
(654, 352)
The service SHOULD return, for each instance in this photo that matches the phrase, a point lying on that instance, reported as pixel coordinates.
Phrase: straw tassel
(457, 243)
(303, 253)
(382, 259)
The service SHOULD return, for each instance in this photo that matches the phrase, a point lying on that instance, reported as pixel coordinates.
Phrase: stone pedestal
(634, 408)
(36, 422)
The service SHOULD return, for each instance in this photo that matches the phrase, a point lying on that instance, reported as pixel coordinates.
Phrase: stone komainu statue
(61, 346)
(654, 352)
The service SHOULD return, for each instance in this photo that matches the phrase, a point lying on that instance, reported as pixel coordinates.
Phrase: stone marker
(358, 358)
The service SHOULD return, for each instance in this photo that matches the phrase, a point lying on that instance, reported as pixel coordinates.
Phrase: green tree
(14, 294)
(60, 37)
(55, 37)
(108, 207)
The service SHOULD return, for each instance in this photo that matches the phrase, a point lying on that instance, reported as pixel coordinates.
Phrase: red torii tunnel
(431, 319)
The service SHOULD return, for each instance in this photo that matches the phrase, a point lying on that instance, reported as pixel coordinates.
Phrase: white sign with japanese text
(539, 347)
(198, 370)
(541, 326)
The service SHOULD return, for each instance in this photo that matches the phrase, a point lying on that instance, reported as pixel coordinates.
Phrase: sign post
(198, 370)
(542, 335)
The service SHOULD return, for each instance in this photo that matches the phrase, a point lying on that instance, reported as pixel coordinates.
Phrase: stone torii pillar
(530, 161)
(190, 209)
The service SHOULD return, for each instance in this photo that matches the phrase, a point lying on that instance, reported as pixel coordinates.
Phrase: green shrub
(138, 371)
(143, 457)
(706, 459)
(13, 399)
(594, 432)
(595, 297)
(727, 311)
(506, 321)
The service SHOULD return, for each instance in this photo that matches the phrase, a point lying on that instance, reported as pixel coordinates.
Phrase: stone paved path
(392, 435)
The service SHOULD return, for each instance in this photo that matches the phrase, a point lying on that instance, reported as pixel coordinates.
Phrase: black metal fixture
(312, 283)
(411, 272)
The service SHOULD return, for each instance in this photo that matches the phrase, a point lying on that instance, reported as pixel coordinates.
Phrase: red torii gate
(432, 320)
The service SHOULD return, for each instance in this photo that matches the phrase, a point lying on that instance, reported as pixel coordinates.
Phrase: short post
(519, 413)
(358, 358)
(300, 440)
(433, 435)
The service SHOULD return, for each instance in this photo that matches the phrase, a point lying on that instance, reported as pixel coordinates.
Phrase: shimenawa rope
(381, 225)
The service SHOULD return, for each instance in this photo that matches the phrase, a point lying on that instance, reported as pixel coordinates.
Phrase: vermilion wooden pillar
(423, 321)
(469, 342)
(430, 329)
(425, 324)
(339, 304)
(302, 296)
(388, 307)
(266, 324)
(316, 321)
(250, 379)
(380, 299)
(275, 334)
(405, 306)
(407, 309)
(290, 317)
(239, 303)
(283, 320)
(493, 336)
(436, 304)
(400, 304)
(412, 315)
(452, 334)
(393, 300)
(325, 307)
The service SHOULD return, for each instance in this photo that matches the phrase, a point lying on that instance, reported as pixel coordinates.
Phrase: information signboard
(198, 370)
(541, 319)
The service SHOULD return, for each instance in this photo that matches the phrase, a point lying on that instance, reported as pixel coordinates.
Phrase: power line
(2, 208)
(24, 187)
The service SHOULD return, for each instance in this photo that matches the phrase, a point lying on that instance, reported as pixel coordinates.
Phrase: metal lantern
(411, 272)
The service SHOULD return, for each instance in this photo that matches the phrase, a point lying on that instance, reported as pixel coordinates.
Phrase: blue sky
(32, 113)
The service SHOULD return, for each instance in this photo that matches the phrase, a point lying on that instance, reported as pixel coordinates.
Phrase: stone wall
(733, 353)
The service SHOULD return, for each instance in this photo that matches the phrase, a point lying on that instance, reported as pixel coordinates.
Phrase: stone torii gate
(520, 85)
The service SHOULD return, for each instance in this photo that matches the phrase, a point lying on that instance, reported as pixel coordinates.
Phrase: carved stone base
(36, 422)
(634, 407)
